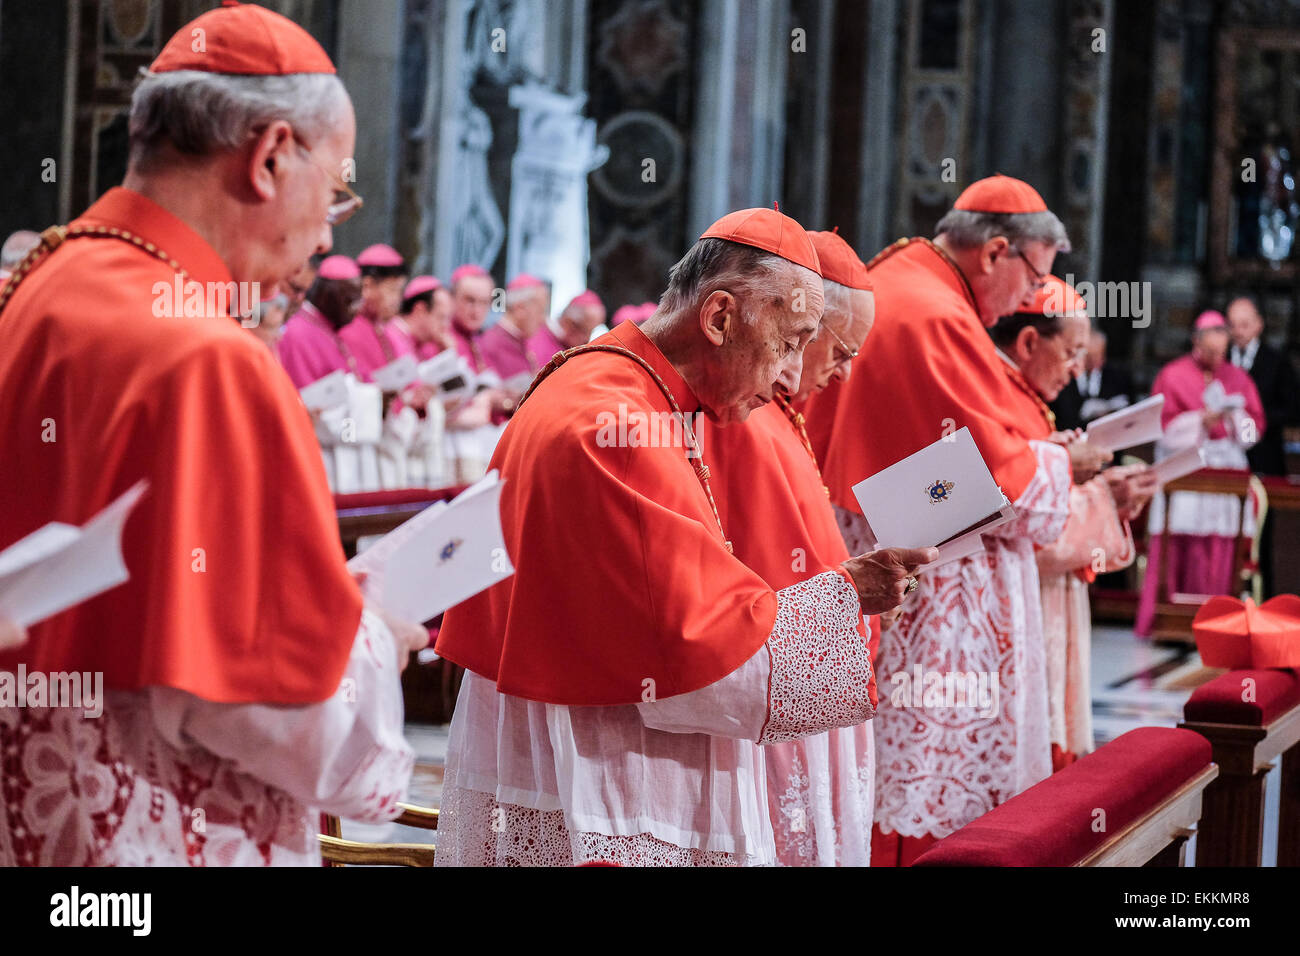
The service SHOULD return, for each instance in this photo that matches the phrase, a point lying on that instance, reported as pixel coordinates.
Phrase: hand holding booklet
(942, 496)
(445, 554)
(1128, 427)
(59, 565)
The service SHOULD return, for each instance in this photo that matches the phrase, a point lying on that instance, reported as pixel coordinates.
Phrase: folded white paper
(450, 374)
(972, 542)
(397, 374)
(1185, 462)
(59, 565)
(1135, 425)
(941, 495)
(1217, 399)
(328, 392)
(445, 554)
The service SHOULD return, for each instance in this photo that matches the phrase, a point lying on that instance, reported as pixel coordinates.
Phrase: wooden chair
(336, 851)
(1133, 802)
(1247, 735)
(1175, 611)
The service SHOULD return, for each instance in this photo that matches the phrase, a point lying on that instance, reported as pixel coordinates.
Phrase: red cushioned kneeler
(399, 496)
(1051, 824)
(1220, 700)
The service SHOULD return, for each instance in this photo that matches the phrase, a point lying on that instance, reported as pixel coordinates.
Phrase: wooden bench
(379, 512)
(1250, 718)
(1174, 611)
(1132, 802)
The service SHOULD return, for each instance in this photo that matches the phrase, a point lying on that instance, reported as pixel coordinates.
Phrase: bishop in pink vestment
(1194, 534)
(505, 347)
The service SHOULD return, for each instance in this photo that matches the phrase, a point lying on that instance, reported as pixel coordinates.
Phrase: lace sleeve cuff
(821, 671)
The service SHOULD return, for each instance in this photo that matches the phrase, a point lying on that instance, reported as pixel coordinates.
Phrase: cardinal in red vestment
(619, 683)
(932, 369)
(246, 686)
(1042, 346)
(820, 789)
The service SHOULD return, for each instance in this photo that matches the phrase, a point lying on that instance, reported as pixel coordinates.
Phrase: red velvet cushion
(1220, 701)
(399, 496)
(1052, 823)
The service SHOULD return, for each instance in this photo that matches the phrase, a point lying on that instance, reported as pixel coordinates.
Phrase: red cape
(621, 576)
(928, 369)
(200, 408)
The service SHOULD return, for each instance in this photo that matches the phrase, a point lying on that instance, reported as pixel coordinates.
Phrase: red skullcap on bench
(245, 40)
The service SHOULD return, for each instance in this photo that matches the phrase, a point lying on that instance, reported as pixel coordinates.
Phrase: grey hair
(713, 264)
(838, 298)
(516, 296)
(202, 113)
(966, 229)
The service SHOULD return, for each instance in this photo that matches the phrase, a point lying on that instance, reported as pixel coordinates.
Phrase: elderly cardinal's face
(761, 334)
(844, 328)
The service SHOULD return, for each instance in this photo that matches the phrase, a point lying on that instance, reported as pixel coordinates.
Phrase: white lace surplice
(163, 778)
(939, 767)
(677, 781)
(1091, 534)
(821, 793)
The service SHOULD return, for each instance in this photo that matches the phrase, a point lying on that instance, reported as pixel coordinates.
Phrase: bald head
(1245, 324)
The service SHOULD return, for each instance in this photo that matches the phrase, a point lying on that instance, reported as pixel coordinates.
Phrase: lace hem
(821, 671)
(474, 829)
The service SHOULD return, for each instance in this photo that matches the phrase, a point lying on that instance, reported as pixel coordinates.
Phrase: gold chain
(697, 462)
(55, 236)
(799, 423)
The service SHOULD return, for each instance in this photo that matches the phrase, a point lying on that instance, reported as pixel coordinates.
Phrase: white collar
(1247, 355)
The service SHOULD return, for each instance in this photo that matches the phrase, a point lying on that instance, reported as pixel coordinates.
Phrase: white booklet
(1135, 425)
(445, 554)
(397, 374)
(60, 565)
(942, 496)
(449, 373)
(326, 393)
(1183, 463)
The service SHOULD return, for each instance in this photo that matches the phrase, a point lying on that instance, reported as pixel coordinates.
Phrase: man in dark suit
(1276, 381)
(1274, 377)
(1098, 390)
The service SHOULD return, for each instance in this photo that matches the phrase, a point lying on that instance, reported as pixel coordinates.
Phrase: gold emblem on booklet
(938, 491)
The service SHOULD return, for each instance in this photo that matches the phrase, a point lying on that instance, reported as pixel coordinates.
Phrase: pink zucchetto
(339, 267)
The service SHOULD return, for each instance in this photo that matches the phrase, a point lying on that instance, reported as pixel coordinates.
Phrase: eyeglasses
(346, 201)
(849, 354)
(1040, 278)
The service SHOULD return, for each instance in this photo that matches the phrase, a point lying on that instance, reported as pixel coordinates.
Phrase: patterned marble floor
(1134, 684)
